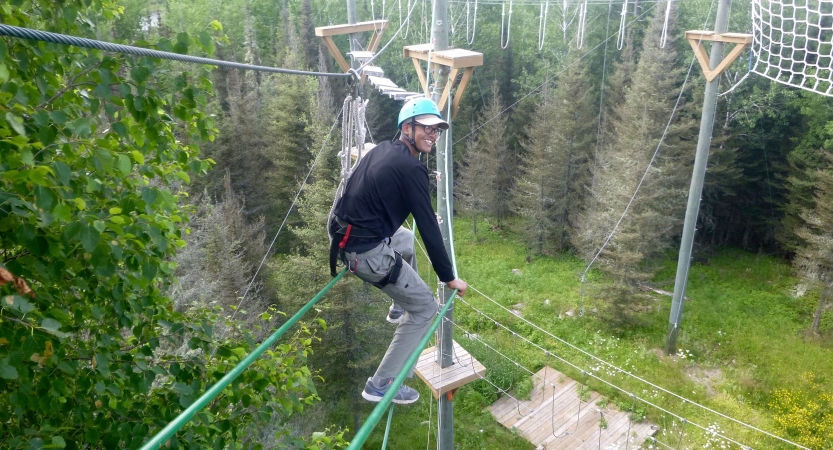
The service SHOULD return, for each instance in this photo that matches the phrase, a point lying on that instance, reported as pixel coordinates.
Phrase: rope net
(793, 42)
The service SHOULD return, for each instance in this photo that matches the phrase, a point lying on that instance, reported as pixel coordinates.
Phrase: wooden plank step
(551, 419)
(360, 55)
(441, 380)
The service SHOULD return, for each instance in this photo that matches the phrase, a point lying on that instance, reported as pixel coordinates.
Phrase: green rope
(183, 418)
(364, 432)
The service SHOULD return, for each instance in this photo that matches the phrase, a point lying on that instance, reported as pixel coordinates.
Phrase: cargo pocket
(382, 264)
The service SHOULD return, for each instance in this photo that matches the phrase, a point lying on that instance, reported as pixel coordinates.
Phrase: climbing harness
(620, 40)
(542, 24)
(582, 20)
(473, 22)
(664, 36)
(508, 24)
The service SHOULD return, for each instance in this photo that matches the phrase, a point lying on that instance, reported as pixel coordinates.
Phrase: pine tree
(656, 213)
(589, 234)
(470, 196)
(814, 260)
(533, 194)
(497, 178)
(573, 119)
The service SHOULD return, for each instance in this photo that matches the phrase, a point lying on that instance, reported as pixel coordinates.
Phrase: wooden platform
(464, 370)
(327, 33)
(455, 59)
(551, 419)
(696, 38)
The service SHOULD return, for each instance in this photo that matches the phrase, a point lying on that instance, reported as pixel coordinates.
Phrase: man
(389, 184)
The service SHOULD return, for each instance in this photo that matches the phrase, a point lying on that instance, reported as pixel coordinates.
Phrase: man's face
(425, 136)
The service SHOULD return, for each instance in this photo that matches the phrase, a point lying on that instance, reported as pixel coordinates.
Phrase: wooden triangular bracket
(327, 33)
(455, 59)
(696, 38)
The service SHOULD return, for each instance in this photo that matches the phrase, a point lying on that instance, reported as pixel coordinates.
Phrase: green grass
(742, 337)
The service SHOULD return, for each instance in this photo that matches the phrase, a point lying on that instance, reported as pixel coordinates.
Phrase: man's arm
(420, 206)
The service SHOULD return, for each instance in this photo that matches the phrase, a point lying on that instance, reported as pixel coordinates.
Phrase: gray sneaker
(374, 393)
(395, 315)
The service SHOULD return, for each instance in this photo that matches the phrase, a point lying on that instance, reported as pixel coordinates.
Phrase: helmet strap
(411, 139)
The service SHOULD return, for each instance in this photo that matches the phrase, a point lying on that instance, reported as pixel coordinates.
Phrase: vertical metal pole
(701, 159)
(353, 17)
(445, 209)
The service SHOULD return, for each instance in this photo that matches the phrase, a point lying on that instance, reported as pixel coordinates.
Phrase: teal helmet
(422, 106)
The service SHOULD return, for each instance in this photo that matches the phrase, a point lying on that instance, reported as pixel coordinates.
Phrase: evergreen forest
(160, 219)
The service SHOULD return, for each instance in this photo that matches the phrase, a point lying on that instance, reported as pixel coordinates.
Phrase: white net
(793, 42)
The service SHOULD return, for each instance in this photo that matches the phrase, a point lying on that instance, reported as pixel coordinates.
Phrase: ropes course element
(352, 136)
(582, 20)
(793, 43)
(473, 22)
(664, 36)
(537, 89)
(542, 24)
(620, 39)
(56, 38)
(407, 19)
(508, 25)
(616, 369)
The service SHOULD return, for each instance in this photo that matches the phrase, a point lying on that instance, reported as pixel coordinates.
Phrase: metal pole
(353, 17)
(445, 209)
(701, 159)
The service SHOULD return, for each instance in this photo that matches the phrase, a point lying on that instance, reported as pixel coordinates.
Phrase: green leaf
(17, 303)
(124, 165)
(149, 195)
(101, 364)
(58, 442)
(4, 73)
(216, 25)
(50, 324)
(44, 198)
(81, 127)
(138, 157)
(62, 172)
(6, 371)
(183, 176)
(89, 238)
(16, 123)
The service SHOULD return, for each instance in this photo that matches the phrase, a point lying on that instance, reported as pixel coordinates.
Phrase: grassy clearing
(742, 340)
(743, 335)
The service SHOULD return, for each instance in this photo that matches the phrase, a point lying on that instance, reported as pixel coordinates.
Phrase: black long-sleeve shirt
(386, 186)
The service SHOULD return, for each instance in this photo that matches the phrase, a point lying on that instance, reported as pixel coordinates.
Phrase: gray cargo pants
(409, 293)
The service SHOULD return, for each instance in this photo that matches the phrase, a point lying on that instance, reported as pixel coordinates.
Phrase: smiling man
(389, 184)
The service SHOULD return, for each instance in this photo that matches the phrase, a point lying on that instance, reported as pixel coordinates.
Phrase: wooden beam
(452, 77)
(728, 60)
(328, 41)
(455, 105)
(734, 38)
(335, 30)
(422, 81)
(374, 41)
(700, 53)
